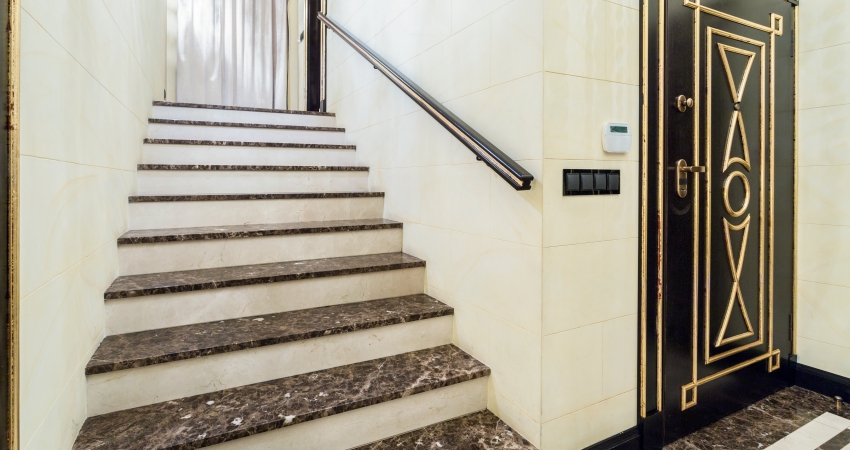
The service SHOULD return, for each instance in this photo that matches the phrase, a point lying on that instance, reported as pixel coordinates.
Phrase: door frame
(654, 27)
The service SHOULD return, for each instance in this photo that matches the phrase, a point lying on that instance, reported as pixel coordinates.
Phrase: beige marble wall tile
(456, 197)
(432, 244)
(577, 293)
(592, 424)
(819, 27)
(140, 25)
(621, 212)
(515, 360)
(467, 12)
(574, 37)
(516, 419)
(819, 258)
(422, 141)
(418, 28)
(619, 355)
(572, 370)
(633, 4)
(576, 110)
(828, 357)
(517, 216)
(821, 191)
(374, 16)
(403, 201)
(570, 219)
(822, 311)
(823, 136)
(59, 428)
(822, 80)
(622, 46)
(517, 40)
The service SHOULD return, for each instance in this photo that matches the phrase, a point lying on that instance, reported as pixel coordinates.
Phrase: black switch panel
(591, 182)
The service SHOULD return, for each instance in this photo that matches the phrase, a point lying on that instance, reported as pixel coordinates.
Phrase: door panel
(726, 224)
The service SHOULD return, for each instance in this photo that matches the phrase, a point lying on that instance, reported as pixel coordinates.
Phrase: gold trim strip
(659, 335)
(772, 30)
(796, 175)
(644, 200)
(14, 52)
(697, 383)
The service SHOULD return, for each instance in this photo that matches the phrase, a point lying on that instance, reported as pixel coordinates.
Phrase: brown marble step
(241, 108)
(147, 348)
(222, 277)
(248, 231)
(209, 419)
(205, 123)
(232, 197)
(479, 431)
(248, 144)
(249, 168)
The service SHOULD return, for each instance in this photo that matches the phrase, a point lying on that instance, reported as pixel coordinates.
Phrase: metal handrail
(502, 164)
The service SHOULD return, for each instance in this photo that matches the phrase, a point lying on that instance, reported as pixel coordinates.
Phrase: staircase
(263, 302)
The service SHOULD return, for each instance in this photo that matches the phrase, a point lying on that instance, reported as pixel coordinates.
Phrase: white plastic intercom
(617, 137)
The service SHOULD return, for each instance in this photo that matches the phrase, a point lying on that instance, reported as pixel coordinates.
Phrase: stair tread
(146, 348)
(208, 123)
(221, 277)
(213, 418)
(481, 430)
(263, 196)
(247, 144)
(252, 168)
(254, 230)
(241, 108)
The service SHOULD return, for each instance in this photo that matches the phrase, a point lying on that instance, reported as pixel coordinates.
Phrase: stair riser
(162, 382)
(155, 215)
(217, 115)
(373, 423)
(169, 310)
(233, 155)
(204, 254)
(170, 182)
(244, 134)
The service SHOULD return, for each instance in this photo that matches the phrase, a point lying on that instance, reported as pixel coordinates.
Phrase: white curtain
(232, 52)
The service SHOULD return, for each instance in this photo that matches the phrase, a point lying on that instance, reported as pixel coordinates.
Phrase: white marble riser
(205, 133)
(217, 115)
(258, 156)
(150, 312)
(373, 423)
(155, 215)
(185, 182)
(205, 254)
(141, 386)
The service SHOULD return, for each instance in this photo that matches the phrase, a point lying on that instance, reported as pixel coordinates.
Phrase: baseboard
(823, 382)
(627, 440)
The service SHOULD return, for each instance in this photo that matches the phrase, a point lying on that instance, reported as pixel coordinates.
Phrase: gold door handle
(683, 103)
(682, 171)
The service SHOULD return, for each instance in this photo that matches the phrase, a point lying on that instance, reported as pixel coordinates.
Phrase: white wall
(482, 239)
(89, 70)
(823, 255)
(527, 272)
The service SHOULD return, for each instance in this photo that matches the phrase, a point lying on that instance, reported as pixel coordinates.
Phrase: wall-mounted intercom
(616, 137)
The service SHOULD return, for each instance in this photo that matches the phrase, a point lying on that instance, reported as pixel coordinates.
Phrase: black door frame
(654, 102)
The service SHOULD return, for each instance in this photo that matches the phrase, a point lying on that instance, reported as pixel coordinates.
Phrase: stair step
(253, 155)
(232, 197)
(226, 143)
(192, 111)
(236, 131)
(147, 348)
(247, 231)
(240, 412)
(194, 280)
(478, 430)
(163, 179)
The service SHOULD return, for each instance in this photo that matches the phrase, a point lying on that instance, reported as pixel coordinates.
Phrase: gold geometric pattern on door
(735, 265)
(737, 98)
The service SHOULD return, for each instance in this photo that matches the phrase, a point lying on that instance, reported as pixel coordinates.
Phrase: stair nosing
(249, 168)
(248, 144)
(405, 261)
(235, 197)
(235, 345)
(271, 405)
(207, 123)
(248, 231)
(241, 108)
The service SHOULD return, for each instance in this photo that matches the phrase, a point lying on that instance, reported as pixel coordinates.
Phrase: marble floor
(791, 419)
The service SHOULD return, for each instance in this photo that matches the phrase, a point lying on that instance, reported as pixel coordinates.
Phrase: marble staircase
(263, 302)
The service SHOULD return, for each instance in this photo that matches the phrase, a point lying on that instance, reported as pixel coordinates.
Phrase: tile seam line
(825, 284)
(481, 235)
(80, 367)
(83, 258)
(601, 322)
(590, 78)
(824, 224)
(121, 32)
(803, 52)
(501, 394)
(96, 80)
(825, 343)
(589, 406)
(78, 163)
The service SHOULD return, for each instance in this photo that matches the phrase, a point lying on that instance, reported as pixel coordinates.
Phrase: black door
(725, 203)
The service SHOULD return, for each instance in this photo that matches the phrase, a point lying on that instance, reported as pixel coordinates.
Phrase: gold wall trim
(659, 335)
(13, 129)
(796, 175)
(644, 146)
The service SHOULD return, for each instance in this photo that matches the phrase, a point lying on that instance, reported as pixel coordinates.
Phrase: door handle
(682, 171)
